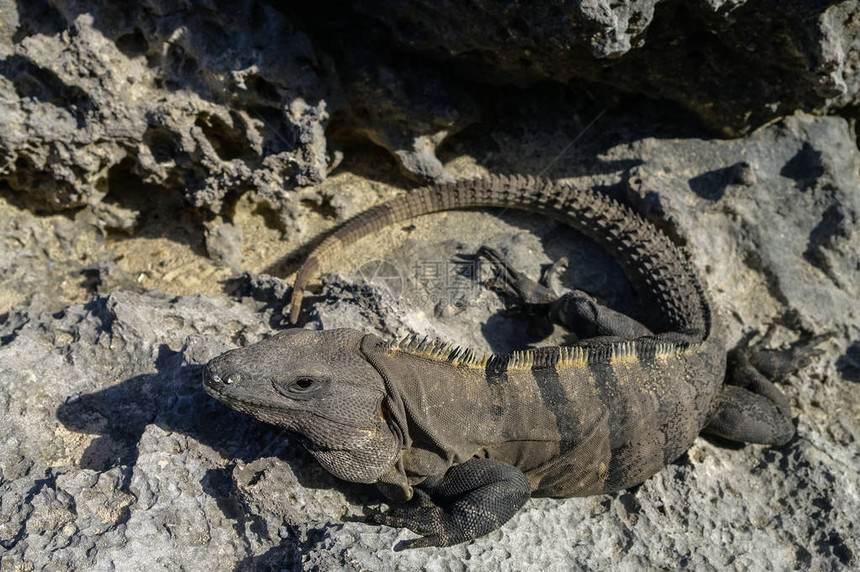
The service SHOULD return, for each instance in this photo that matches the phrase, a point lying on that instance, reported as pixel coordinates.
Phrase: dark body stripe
(605, 384)
(553, 394)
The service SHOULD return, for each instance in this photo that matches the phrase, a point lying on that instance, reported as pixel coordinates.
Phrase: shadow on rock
(712, 185)
(174, 400)
(805, 168)
(849, 364)
(299, 542)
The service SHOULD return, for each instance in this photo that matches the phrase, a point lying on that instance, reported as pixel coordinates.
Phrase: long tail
(659, 271)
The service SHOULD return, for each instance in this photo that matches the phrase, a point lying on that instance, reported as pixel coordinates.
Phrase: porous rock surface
(213, 99)
(203, 99)
(111, 454)
(117, 456)
(734, 63)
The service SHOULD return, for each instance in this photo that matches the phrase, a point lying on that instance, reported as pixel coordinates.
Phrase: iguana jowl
(465, 439)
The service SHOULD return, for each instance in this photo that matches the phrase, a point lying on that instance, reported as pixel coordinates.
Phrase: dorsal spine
(581, 355)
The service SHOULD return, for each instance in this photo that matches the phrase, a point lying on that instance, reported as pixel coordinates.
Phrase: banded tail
(658, 270)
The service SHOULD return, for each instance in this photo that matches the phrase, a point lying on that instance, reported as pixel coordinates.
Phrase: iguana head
(319, 385)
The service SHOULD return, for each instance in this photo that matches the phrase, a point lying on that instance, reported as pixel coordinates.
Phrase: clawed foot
(750, 407)
(552, 277)
(420, 515)
(469, 500)
(514, 284)
(777, 364)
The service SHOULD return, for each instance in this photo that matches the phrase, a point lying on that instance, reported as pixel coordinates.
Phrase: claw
(511, 283)
(777, 364)
(552, 277)
(420, 542)
(419, 515)
(387, 519)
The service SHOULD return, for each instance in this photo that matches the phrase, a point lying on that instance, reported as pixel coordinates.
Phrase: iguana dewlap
(465, 438)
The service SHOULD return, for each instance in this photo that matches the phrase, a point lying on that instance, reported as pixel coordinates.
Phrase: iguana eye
(301, 387)
(303, 384)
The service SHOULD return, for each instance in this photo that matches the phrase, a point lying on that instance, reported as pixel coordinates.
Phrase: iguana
(462, 440)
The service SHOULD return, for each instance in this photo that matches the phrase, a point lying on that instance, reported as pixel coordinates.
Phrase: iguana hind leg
(750, 407)
(468, 501)
(741, 415)
(576, 310)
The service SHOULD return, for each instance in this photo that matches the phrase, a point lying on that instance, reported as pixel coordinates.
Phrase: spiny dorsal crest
(439, 350)
(543, 357)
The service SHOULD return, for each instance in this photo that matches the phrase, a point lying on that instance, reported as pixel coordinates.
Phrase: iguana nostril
(213, 376)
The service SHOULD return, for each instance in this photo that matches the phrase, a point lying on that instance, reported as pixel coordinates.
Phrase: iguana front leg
(512, 283)
(468, 501)
(576, 310)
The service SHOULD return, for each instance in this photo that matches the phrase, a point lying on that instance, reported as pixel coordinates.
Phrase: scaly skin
(655, 266)
(469, 438)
